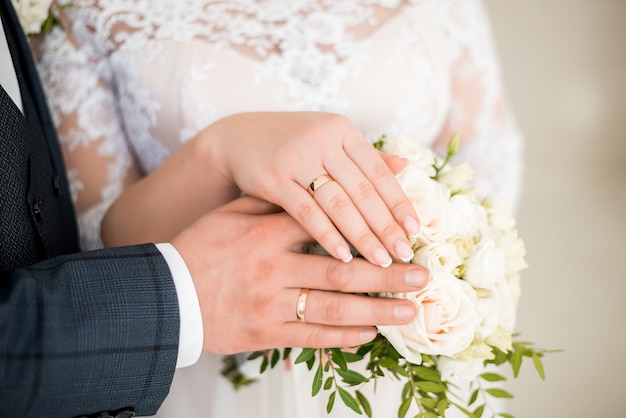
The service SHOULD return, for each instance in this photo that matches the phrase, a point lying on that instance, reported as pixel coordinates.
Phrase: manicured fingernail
(343, 253)
(382, 257)
(416, 278)
(368, 334)
(404, 251)
(412, 227)
(403, 312)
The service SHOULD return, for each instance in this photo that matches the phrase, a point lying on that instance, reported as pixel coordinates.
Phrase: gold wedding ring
(318, 182)
(301, 305)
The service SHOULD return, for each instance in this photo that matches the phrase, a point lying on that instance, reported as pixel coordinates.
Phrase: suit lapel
(41, 186)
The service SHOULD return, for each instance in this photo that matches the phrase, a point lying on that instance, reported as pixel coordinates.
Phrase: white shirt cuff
(191, 334)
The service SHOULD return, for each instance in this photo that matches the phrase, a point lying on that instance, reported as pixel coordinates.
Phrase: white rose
(445, 322)
(485, 265)
(456, 177)
(488, 320)
(418, 155)
(499, 214)
(438, 257)
(506, 306)
(501, 339)
(514, 251)
(32, 14)
(431, 201)
(467, 370)
(471, 218)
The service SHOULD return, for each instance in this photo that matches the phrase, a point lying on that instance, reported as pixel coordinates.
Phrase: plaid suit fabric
(80, 333)
(98, 331)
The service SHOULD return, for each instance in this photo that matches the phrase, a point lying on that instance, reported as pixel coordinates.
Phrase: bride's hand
(277, 156)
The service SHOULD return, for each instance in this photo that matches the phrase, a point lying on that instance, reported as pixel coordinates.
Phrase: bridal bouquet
(466, 314)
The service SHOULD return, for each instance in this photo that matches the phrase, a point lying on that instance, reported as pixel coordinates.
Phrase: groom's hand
(247, 263)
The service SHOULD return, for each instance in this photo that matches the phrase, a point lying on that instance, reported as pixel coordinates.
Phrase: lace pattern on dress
(109, 70)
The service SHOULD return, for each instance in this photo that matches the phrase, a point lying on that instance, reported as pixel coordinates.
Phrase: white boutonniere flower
(35, 15)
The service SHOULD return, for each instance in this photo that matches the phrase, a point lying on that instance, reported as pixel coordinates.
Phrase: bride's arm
(274, 156)
(479, 108)
(100, 162)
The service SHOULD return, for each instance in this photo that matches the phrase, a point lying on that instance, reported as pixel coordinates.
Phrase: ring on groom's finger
(301, 305)
(318, 182)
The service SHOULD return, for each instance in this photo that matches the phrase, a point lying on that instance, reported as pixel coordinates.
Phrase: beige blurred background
(564, 63)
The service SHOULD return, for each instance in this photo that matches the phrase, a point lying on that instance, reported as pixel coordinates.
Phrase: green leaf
(331, 402)
(339, 359)
(465, 411)
(407, 390)
(516, 361)
(427, 373)
(428, 402)
(349, 400)
(427, 415)
(317, 381)
(478, 412)
(305, 355)
(404, 407)
(499, 393)
(442, 406)
(264, 365)
(473, 398)
(351, 377)
(386, 362)
(275, 358)
(352, 357)
(492, 377)
(505, 415)
(286, 353)
(255, 355)
(328, 383)
(433, 387)
(364, 403)
(539, 365)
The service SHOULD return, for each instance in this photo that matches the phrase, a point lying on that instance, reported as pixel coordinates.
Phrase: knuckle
(399, 205)
(390, 230)
(365, 241)
(365, 190)
(339, 275)
(333, 310)
(305, 211)
(314, 338)
(338, 205)
(380, 171)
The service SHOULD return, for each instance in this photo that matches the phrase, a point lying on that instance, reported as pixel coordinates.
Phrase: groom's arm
(88, 332)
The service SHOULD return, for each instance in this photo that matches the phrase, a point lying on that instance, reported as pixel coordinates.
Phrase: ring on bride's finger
(301, 305)
(318, 182)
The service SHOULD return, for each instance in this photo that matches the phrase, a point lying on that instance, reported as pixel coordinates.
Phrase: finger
(339, 207)
(359, 276)
(308, 213)
(373, 167)
(395, 163)
(344, 309)
(297, 334)
(370, 209)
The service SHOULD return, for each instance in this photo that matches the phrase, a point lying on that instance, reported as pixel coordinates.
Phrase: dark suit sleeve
(88, 332)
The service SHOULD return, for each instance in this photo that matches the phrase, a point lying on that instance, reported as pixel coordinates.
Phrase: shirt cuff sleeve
(191, 332)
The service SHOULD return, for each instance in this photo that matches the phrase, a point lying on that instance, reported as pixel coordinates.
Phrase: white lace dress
(130, 80)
